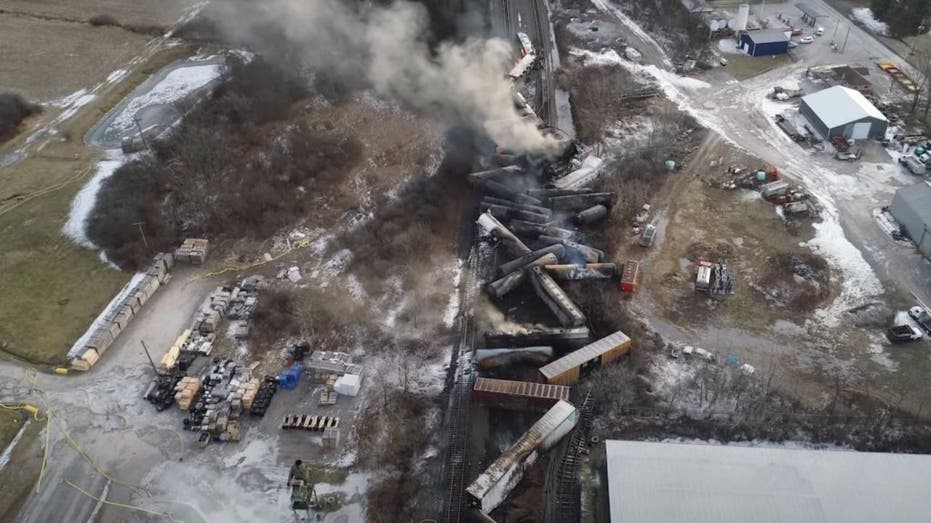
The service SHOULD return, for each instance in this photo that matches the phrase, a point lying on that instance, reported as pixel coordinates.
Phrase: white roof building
(841, 111)
(696, 483)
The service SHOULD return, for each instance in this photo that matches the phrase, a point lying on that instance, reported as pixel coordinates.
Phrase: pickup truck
(921, 317)
(648, 235)
(903, 334)
(913, 164)
(789, 128)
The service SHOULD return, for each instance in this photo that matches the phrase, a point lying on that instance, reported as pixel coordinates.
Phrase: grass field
(743, 67)
(159, 12)
(51, 288)
(21, 472)
(10, 423)
(71, 55)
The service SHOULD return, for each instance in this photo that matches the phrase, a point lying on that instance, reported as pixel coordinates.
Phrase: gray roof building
(841, 111)
(695, 483)
(911, 207)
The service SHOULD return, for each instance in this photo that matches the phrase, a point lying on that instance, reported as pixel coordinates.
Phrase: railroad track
(568, 491)
(539, 18)
(457, 451)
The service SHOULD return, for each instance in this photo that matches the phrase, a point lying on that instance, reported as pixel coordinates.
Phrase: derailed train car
(577, 364)
(494, 484)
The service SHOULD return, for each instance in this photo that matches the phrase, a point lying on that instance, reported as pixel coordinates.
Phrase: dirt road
(869, 267)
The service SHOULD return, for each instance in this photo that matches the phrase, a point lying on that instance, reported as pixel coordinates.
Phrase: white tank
(743, 13)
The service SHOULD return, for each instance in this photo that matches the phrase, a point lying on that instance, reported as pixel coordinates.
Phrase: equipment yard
(417, 261)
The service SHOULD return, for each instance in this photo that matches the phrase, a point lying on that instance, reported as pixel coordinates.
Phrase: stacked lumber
(192, 250)
(121, 314)
(185, 391)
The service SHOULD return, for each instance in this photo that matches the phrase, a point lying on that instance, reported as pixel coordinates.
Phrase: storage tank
(743, 13)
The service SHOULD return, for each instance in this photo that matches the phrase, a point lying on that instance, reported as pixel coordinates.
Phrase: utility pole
(141, 134)
(142, 232)
(846, 36)
(146, 349)
(834, 36)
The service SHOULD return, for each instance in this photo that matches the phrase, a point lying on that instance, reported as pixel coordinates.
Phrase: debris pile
(217, 410)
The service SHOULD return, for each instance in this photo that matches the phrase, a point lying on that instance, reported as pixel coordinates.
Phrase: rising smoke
(386, 48)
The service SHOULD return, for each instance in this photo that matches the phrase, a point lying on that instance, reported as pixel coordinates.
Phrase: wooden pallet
(308, 422)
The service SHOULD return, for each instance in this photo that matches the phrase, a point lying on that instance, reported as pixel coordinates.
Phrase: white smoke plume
(386, 47)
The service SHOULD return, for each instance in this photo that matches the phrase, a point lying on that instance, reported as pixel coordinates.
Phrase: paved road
(102, 408)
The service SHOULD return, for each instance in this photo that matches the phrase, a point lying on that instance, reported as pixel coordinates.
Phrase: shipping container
(578, 364)
(517, 395)
(630, 276)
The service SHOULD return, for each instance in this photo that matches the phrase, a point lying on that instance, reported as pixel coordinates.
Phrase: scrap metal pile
(541, 236)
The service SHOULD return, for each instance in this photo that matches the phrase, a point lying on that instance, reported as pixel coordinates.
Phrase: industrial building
(695, 483)
(911, 207)
(494, 484)
(765, 42)
(841, 111)
(577, 364)
(518, 395)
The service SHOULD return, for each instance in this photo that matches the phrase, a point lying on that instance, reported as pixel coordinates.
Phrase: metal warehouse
(841, 111)
(568, 369)
(765, 42)
(518, 395)
(911, 207)
(697, 483)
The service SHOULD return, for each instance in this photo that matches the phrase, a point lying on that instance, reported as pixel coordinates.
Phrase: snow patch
(452, 310)
(729, 46)
(84, 202)
(864, 15)
(117, 75)
(176, 85)
(605, 7)
(859, 280)
(880, 357)
(356, 289)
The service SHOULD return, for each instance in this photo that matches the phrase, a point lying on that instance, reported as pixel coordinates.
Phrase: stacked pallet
(185, 391)
(308, 422)
(263, 397)
(249, 390)
(327, 398)
(121, 314)
(331, 438)
(170, 359)
(192, 250)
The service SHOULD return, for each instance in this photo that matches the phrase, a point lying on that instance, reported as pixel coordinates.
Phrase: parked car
(797, 31)
(819, 31)
(648, 235)
(806, 40)
(913, 164)
(792, 44)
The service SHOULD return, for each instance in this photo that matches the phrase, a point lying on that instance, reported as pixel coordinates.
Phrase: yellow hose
(121, 505)
(234, 268)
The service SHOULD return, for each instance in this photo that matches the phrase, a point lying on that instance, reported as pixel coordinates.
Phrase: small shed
(911, 207)
(765, 42)
(841, 111)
